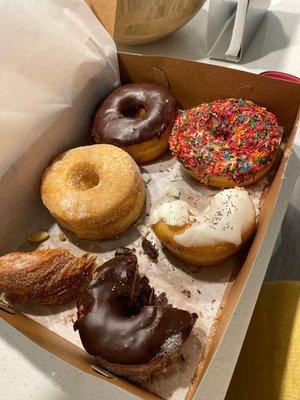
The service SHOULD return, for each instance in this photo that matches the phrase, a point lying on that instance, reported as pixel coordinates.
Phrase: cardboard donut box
(192, 83)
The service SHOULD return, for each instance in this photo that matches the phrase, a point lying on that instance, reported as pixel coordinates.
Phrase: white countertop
(29, 372)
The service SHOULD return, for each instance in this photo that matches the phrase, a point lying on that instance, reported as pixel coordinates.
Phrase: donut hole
(133, 111)
(125, 307)
(141, 295)
(128, 309)
(83, 177)
(222, 135)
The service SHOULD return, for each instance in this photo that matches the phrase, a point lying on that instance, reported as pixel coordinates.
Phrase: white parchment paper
(192, 288)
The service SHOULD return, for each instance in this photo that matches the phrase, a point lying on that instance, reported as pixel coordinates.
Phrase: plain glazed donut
(137, 117)
(94, 191)
(226, 143)
(208, 237)
(131, 331)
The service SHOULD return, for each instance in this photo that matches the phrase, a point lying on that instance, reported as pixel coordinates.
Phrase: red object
(281, 75)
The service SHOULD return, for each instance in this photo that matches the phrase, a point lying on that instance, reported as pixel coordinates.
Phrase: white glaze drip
(175, 213)
(228, 216)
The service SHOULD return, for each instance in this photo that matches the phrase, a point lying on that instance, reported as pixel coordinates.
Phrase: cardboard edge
(159, 63)
(232, 293)
(242, 313)
(105, 11)
(212, 333)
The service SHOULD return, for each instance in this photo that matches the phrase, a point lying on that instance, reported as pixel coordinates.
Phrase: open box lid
(191, 82)
(55, 53)
(105, 11)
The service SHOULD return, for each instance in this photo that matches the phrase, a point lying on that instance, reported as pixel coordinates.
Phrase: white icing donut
(228, 219)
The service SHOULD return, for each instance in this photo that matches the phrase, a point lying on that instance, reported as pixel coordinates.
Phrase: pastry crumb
(287, 152)
(192, 216)
(146, 178)
(71, 318)
(174, 178)
(38, 237)
(6, 305)
(143, 229)
(62, 237)
(186, 292)
(173, 191)
(150, 250)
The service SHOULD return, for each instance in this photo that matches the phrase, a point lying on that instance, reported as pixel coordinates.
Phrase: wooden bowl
(144, 21)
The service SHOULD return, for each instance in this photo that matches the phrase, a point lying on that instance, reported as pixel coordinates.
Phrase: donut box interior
(192, 83)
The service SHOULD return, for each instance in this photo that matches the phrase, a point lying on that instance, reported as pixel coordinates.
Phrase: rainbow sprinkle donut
(226, 143)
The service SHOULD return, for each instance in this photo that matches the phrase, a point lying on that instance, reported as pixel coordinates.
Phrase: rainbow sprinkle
(232, 138)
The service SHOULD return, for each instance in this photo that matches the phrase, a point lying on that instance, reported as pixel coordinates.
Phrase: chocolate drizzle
(122, 320)
(119, 121)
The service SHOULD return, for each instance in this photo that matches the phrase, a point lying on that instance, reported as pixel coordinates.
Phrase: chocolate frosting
(122, 320)
(116, 122)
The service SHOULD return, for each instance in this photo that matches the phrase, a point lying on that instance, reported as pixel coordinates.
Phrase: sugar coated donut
(94, 191)
(131, 331)
(226, 143)
(137, 117)
(208, 237)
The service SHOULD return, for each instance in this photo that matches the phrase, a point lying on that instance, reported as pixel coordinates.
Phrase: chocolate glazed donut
(137, 117)
(130, 330)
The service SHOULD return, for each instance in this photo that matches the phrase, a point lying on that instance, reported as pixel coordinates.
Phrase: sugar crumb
(146, 178)
(143, 230)
(186, 292)
(173, 191)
